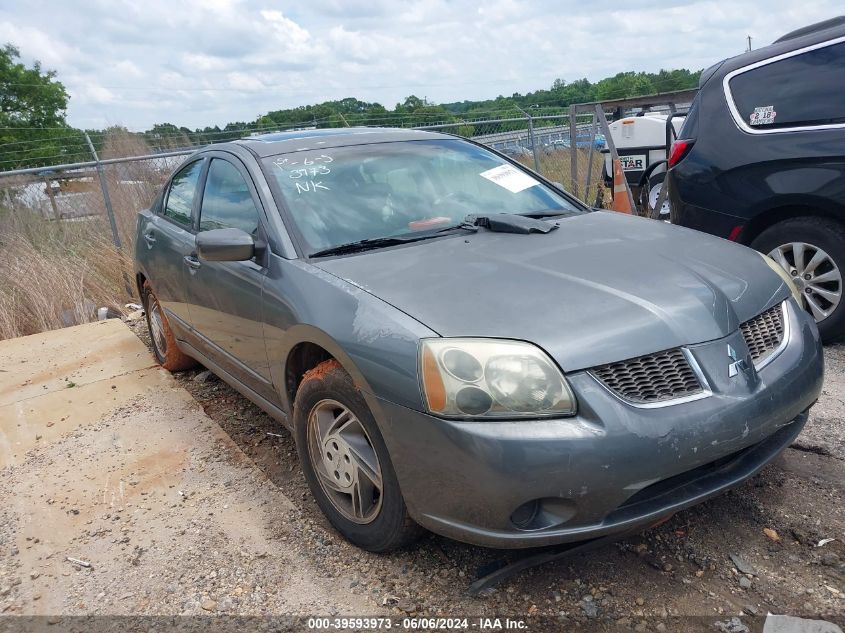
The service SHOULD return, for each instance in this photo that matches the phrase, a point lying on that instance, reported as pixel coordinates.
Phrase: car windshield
(341, 195)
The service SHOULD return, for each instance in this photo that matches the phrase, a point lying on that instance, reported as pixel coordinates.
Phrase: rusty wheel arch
(301, 359)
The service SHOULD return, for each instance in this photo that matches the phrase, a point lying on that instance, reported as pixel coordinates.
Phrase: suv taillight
(680, 148)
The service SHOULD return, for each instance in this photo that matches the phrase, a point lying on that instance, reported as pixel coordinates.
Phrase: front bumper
(613, 467)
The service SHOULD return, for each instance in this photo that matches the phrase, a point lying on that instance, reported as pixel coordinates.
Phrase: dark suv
(760, 160)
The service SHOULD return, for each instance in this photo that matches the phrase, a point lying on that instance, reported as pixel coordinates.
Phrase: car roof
(299, 140)
(800, 38)
(824, 25)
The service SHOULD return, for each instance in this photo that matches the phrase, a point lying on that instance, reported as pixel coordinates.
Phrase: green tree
(33, 106)
(166, 136)
(411, 104)
(29, 96)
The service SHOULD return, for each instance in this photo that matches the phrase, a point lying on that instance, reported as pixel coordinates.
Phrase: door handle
(192, 262)
(150, 238)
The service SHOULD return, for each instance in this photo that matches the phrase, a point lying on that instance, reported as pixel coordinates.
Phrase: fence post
(52, 197)
(109, 210)
(573, 149)
(590, 161)
(532, 140)
(614, 155)
(105, 188)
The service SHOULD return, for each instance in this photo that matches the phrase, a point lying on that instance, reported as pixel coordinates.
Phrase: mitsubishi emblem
(738, 364)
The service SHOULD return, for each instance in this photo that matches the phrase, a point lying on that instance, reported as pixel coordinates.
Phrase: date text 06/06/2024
(409, 623)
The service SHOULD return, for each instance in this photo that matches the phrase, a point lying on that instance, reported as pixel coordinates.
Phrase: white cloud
(207, 62)
(52, 51)
(353, 44)
(127, 68)
(244, 81)
(96, 95)
(293, 38)
(204, 63)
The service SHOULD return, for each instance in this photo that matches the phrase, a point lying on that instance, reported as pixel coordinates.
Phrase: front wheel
(346, 463)
(812, 251)
(166, 352)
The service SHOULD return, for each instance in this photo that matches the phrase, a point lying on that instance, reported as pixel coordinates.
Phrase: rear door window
(227, 201)
(180, 197)
(802, 90)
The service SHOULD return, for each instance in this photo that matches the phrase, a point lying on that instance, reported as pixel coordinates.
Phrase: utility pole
(748, 50)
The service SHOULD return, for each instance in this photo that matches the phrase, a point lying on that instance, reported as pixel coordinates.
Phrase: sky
(210, 62)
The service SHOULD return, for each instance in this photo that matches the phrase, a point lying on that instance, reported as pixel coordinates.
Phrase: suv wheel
(166, 352)
(812, 251)
(346, 463)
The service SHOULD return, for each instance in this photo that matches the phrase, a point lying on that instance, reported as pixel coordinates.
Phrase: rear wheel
(346, 463)
(166, 352)
(812, 251)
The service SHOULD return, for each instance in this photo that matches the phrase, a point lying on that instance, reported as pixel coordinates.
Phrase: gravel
(249, 539)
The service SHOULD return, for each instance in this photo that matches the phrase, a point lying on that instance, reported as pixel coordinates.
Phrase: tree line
(34, 130)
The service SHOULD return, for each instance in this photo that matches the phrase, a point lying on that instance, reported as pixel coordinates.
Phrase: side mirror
(225, 245)
(558, 185)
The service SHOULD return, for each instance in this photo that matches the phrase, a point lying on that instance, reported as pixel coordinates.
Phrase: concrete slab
(52, 383)
(51, 361)
(123, 470)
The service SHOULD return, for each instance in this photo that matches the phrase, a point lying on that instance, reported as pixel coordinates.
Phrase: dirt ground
(193, 504)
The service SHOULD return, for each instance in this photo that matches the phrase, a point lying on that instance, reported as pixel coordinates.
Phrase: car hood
(603, 287)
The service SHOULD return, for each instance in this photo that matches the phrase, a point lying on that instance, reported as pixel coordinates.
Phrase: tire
(823, 240)
(655, 185)
(335, 463)
(166, 351)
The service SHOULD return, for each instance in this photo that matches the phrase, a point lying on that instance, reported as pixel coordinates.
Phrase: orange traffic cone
(621, 202)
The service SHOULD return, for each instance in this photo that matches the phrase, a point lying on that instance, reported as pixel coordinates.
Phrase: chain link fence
(544, 144)
(66, 239)
(115, 189)
(67, 230)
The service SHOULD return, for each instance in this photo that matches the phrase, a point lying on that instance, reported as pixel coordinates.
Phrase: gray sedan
(458, 345)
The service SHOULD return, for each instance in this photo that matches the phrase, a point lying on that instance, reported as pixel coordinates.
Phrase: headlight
(466, 377)
(786, 278)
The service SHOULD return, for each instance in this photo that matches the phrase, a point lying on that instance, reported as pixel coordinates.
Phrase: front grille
(763, 333)
(651, 378)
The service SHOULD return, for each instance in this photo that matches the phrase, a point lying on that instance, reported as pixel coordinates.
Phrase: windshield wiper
(497, 222)
(548, 213)
(509, 223)
(382, 242)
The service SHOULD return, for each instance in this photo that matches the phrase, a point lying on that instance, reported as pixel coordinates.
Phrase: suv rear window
(801, 90)
(689, 129)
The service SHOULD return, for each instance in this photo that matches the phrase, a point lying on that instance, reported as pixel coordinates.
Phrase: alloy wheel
(345, 461)
(815, 274)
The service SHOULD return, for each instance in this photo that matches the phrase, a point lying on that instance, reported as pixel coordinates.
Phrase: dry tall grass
(57, 272)
(555, 165)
